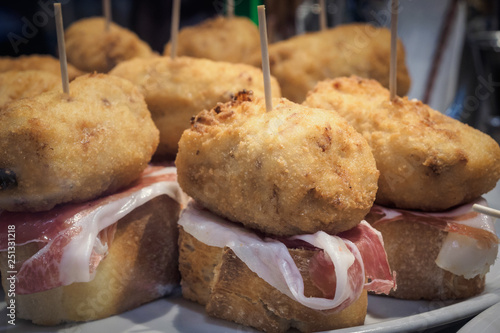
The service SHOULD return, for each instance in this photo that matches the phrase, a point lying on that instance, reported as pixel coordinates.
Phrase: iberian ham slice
(270, 260)
(74, 238)
(471, 244)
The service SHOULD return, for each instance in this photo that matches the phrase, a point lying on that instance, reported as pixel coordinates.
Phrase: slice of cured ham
(74, 238)
(370, 243)
(339, 270)
(471, 245)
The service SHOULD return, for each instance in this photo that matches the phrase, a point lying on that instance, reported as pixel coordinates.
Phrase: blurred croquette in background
(448, 56)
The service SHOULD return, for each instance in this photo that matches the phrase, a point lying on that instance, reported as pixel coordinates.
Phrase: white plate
(487, 321)
(174, 314)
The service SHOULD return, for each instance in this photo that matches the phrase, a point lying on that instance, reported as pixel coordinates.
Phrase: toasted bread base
(218, 279)
(412, 249)
(141, 266)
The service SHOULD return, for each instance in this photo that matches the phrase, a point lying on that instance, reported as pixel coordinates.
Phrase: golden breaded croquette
(35, 61)
(20, 84)
(57, 148)
(176, 90)
(289, 171)
(427, 160)
(220, 39)
(90, 47)
(352, 49)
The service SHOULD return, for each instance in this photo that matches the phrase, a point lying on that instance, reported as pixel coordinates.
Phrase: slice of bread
(142, 265)
(412, 249)
(217, 278)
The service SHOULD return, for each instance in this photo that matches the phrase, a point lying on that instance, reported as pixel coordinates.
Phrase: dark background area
(28, 27)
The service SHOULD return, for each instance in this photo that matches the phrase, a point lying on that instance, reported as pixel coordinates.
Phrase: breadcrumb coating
(91, 48)
(220, 39)
(427, 160)
(40, 62)
(289, 171)
(178, 89)
(57, 148)
(352, 49)
(20, 84)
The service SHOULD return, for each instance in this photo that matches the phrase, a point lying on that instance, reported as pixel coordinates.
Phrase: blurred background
(452, 46)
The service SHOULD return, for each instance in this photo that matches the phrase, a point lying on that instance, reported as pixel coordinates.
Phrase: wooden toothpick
(486, 210)
(61, 47)
(174, 28)
(106, 6)
(265, 56)
(322, 15)
(230, 8)
(394, 56)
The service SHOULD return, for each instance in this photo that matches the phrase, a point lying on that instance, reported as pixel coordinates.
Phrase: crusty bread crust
(140, 267)
(412, 249)
(218, 279)
(197, 262)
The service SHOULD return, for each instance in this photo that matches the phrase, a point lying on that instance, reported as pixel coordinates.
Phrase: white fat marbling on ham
(470, 247)
(271, 261)
(73, 239)
(462, 255)
(467, 256)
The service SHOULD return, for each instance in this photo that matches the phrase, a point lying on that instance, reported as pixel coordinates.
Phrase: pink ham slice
(470, 246)
(74, 238)
(370, 243)
(461, 220)
(338, 269)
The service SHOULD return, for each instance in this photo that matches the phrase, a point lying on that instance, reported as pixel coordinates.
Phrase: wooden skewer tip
(174, 28)
(106, 5)
(61, 47)
(265, 57)
(230, 8)
(322, 15)
(394, 40)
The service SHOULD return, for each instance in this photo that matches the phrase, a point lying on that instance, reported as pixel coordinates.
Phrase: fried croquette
(359, 49)
(220, 39)
(427, 160)
(20, 84)
(40, 62)
(176, 90)
(289, 171)
(57, 148)
(90, 47)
